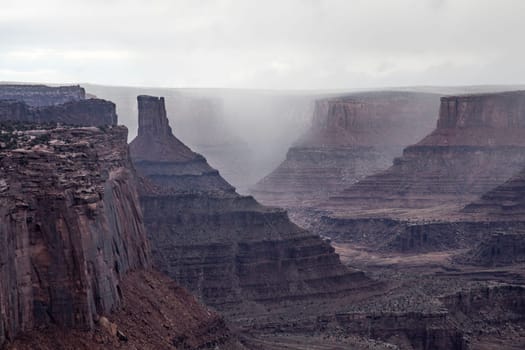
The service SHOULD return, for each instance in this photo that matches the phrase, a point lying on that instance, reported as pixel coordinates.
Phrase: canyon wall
(41, 95)
(350, 137)
(71, 226)
(477, 146)
(91, 112)
(226, 248)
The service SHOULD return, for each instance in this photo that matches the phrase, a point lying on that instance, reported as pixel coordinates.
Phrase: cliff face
(477, 145)
(83, 112)
(41, 95)
(226, 248)
(350, 138)
(70, 226)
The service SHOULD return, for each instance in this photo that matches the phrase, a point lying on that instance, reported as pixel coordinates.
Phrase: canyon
(350, 137)
(226, 248)
(76, 263)
(426, 254)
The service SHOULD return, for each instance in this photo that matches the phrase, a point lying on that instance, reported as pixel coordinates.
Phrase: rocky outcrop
(350, 137)
(476, 147)
(92, 112)
(226, 248)
(164, 159)
(41, 95)
(71, 226)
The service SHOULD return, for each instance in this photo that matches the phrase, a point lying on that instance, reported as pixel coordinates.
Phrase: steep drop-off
(226, 248)
(91, 112)
(70, 227)
(41, 95)
(350, 137)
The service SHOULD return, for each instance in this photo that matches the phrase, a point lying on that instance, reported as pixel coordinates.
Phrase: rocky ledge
(41, 95)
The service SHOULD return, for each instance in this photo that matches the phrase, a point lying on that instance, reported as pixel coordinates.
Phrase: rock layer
(350, 137)
(164, 159)
(477, 145)
(83, 113)
(70, 226)
(41, 95)
(226, 248)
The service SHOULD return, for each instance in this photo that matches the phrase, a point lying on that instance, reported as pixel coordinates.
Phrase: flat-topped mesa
(479, 144)
(480, 120)
(92, 112)
(371, 119)
(71, 226)
(41, 95)
(228, 249)
(350, 137)
(169, 163)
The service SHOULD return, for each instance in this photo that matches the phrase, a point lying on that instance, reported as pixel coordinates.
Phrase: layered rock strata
(478, 144)
(224, 247)
(41, 95)
(71, 226)
(92, 112)
(350, 137)
(475, 147)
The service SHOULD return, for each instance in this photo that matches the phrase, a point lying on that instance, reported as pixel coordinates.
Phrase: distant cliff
(478, 144)
(350, 137)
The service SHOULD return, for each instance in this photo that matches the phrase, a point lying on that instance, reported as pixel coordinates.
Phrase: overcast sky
(275, 44)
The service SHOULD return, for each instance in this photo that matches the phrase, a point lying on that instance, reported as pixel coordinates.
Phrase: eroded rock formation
(417, 203)
(92, 112)
(350, 137)
(477, 145)
(226, 248)
(71, 226)
(41, 95)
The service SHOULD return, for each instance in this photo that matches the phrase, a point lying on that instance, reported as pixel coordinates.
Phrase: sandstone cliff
(92, 112)
(226, 248)
(477, 145)
(350, 137)
(41, 95)
(71, 226)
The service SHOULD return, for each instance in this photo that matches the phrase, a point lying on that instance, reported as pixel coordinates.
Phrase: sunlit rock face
(226, 248)
(350, 137)
(71, 225)
(41, 95)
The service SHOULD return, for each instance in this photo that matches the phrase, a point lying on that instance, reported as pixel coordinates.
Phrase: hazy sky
(282, 44)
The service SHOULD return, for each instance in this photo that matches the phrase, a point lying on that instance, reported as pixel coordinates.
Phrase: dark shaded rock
(92, 112)
(41, 95)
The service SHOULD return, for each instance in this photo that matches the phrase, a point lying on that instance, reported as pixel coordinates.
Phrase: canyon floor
(483, 303)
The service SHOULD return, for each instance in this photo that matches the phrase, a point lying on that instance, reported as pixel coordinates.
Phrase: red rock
(350, 137)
